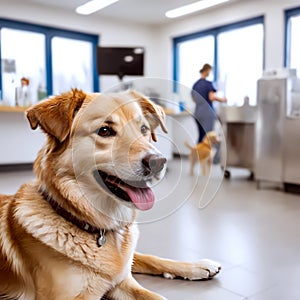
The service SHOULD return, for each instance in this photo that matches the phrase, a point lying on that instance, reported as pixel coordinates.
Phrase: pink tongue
(143, 198)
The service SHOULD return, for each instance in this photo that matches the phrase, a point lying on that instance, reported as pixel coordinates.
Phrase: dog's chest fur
(64, 255)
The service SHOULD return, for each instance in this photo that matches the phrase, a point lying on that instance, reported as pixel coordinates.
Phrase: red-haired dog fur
(71, 233)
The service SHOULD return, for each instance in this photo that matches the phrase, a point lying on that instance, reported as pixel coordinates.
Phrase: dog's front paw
(204, 269)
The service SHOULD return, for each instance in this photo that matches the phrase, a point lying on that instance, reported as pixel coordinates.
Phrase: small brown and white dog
(71, 234)
(203, 152)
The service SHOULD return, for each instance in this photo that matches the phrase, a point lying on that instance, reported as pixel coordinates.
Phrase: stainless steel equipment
(291, 153)
(238, 124)
(277, 128)
(271, 97)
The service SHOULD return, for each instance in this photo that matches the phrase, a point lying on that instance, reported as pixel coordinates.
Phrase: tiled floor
(254, 234)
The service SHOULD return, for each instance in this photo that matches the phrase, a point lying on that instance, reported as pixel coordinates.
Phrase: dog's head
(212, 138)
(100, 144)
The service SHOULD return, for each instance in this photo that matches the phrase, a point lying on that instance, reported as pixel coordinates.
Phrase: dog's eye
(106, 131)
(144, 129)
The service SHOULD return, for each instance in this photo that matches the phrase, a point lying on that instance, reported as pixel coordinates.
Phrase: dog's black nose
(153, 163)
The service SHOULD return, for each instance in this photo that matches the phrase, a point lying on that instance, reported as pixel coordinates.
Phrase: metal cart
(238, 124)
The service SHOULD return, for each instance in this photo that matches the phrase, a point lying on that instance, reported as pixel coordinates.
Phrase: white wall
(19, 144)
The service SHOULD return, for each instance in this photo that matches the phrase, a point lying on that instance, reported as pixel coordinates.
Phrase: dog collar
(101, 239)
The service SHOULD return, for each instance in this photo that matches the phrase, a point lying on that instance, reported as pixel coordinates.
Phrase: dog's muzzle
(153, 164)
(137, 192)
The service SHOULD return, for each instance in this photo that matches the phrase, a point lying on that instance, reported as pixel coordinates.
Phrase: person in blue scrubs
(203, 94)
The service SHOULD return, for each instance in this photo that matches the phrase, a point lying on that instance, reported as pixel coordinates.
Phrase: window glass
(72, 65)
(23, 56)
(192, 55)
(240, 63)
(294, 47)
(236, 52)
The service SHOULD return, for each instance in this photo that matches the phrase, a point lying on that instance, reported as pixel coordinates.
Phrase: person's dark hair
(205, 68)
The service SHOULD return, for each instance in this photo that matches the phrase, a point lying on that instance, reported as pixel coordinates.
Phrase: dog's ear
(153, 113)
(55, 115)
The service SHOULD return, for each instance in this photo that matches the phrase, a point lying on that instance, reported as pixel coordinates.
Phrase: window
(21, 59)
(53, 60)
(292, 47)
(236, 52)
(192, 55)
(240, 63)
(72, 61)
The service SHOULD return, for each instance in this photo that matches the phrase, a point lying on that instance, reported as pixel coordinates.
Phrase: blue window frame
(215, 32)
(292, 41)
(50, 33)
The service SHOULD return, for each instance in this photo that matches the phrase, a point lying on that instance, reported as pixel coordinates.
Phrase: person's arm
(213, 97)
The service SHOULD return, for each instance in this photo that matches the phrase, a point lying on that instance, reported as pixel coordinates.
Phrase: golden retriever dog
(203, 152)
(71, 233)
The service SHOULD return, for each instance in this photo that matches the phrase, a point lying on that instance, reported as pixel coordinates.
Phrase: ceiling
(139, 11)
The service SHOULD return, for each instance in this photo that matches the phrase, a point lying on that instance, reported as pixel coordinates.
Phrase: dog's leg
(203, 166)
(130, 289)
(149, 264)
(209, 162)
(192, 162)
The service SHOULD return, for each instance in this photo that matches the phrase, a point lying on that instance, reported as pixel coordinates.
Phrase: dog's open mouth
(136, 192)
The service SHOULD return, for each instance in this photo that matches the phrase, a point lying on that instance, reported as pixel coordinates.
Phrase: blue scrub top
(203, 87)
(204, 111)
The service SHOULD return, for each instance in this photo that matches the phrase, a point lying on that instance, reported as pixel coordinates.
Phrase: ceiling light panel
(191, 8)
(93, 6)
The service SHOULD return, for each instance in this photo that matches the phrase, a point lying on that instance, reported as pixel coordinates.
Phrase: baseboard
(16, 167)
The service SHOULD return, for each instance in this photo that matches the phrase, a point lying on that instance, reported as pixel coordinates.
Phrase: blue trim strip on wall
(289, 13)
(49, 33)
(95, 70)
(49, 72)
(215, 32)
(175, 67)
(216, 61)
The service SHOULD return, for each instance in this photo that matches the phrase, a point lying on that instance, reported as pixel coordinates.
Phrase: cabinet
(19, 144)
